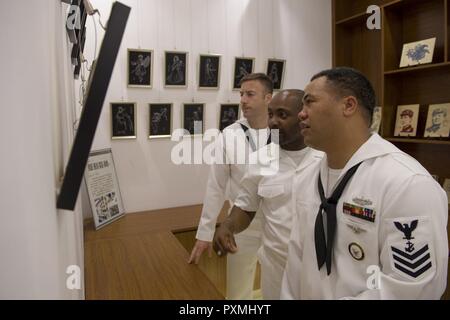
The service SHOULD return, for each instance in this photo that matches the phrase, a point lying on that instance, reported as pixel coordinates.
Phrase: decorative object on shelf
(275, 70)
(407, 118)
(123, 120)
(446, 187)
(193, 118)
(175, 69)
(103, 188)
(140, 68)
(229, 114)
(419, 52)
(242, 67)
(209, 71)
(376, 119)
(160, 120)
(438, 121)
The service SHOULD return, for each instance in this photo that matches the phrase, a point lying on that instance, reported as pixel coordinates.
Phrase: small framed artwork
(209, 71)
(175, 69)
(140, 68)
(193, 120)
(229, 114)
(103, 188)
(419, 52)
(275, 70)
(160, 120)
(376, 120)
(446, 187)
(438, 121)
(406, 122)
(123, 120)
(242, 67)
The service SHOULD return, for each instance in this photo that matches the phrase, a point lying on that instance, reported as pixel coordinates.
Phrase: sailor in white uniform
(267, 186)
(235, 144)
(372, 224)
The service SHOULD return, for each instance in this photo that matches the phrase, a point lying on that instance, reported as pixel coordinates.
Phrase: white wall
(37, 241)
(296, 30)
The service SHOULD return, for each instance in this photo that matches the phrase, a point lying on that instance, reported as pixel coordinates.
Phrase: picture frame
(406, 122)
(103, 188)
(419, 52)
(275, 70)
(209, 68)
(242, 67)
(438, 121)
(175, 69)
(193, 118)
(228, 114)
(140, 68)
(376, 119)
(160, 120)
(446, 187)
(123, 120)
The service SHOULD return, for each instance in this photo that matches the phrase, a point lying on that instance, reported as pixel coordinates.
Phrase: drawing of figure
(124, 123)
(437, 122)
(406, 121)
(418, 53)
(242, 71)
(176, 74)
(210, 72)
(140, 66)
(274, 74)
(195, 122)
(159, 121)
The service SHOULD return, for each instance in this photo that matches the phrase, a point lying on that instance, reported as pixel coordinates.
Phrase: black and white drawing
(275, 70)
(209, 71)
(242, 67)
(140, 68)
(193, 120)
(123, 120)
(229, 114)
(175, 69)
(160, 116)
(438, 121)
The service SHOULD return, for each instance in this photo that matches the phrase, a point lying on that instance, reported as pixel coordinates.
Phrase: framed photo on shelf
(228, 114)
(438, 121)
(406, 122)
(275, 70)
(103, 188)
(160, 120)
(446, 187)
(376, 119)
(242, 67)
(209, 71)
(193, 118)
(175, 69)
(123, 120)
(140, 68)
(419, 52)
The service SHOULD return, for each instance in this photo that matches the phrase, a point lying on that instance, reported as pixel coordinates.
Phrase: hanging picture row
(140, 70)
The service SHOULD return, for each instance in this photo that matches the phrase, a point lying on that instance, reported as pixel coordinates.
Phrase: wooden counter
(138, 257)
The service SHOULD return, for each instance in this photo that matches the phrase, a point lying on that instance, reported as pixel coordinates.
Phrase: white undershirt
(296, 155)
(333, 175)
(259, 137)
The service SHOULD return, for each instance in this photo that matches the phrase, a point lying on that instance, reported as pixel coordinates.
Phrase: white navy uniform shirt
(391, 217)
(268, 186)
(223, 181)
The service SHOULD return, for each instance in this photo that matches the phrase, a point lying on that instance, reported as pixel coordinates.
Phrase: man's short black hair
(349, 81)
(265, 80)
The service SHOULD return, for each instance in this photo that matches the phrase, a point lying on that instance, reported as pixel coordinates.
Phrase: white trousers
(241, 266)
(272, 270)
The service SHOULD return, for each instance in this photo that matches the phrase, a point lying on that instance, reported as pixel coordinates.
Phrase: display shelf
(419, 68)
(415, 140)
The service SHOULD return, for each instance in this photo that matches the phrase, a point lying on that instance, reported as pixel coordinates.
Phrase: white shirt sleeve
(248, 198)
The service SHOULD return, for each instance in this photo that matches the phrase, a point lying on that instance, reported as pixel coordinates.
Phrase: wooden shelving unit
(377, 54)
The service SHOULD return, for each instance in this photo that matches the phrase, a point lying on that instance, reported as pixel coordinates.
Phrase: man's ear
(268, 98)
(350, 105)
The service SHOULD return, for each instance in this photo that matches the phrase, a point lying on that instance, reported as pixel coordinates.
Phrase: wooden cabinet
(377, 54)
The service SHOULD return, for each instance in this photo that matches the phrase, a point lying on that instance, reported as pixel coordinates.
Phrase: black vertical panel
(93, 106)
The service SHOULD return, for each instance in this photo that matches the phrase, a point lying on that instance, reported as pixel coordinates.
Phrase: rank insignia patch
(359, 212)
(411, 256)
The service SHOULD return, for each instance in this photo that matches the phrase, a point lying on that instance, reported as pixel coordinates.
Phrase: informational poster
(103, 188)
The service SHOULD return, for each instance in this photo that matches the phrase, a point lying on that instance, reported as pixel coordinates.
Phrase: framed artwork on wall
(446, 187)
(160, 120)
(438, 121)
(228, 114)
(193, 118)
(209, 71)
(123, 120)
(275, 70)
(242, 67)
(140, 68)
(376, 119)
(406, 122)
(175, 69)
(419, 52)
